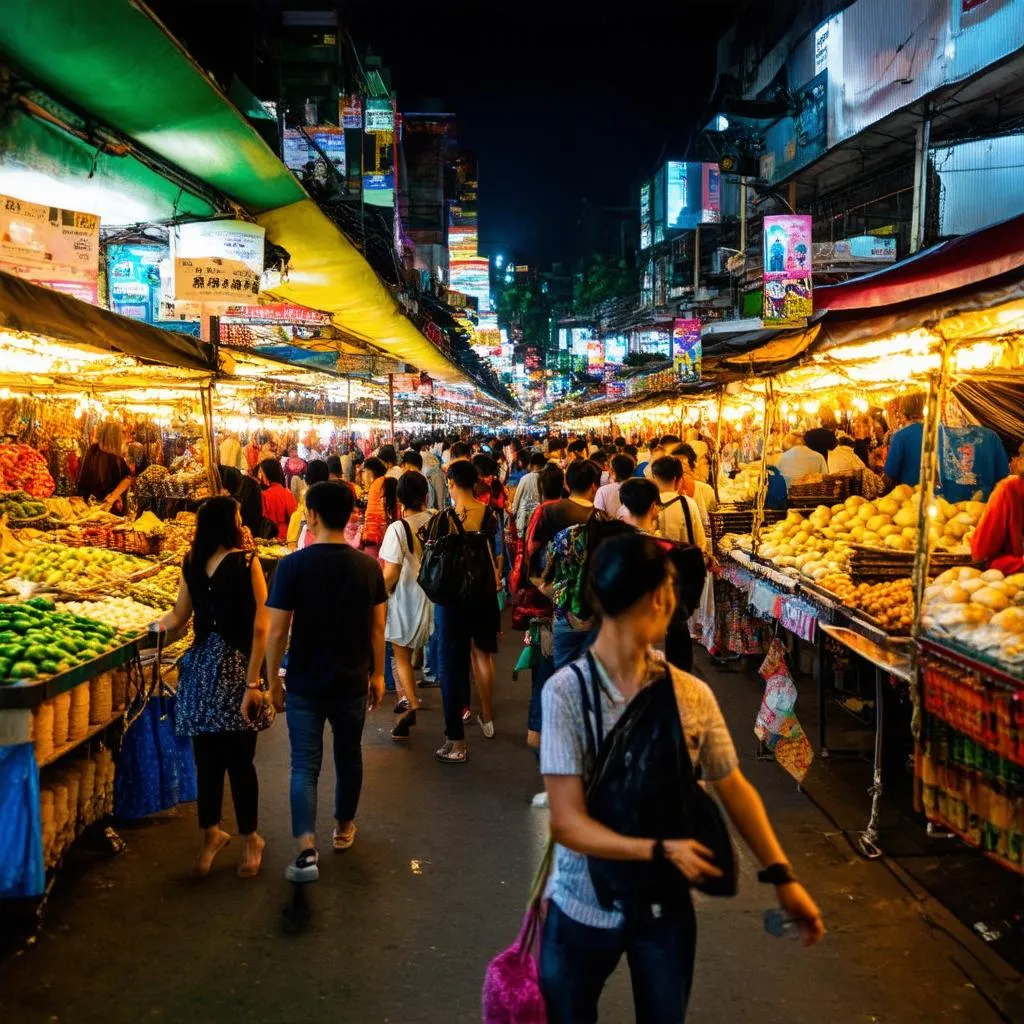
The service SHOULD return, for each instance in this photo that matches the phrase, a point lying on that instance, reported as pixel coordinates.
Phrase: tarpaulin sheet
(964, 261)
(114, 60)
(327, 272)
(37, 310)
(21, 834)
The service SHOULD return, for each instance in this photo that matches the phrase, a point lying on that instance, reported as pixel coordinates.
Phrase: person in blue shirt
(971, 458)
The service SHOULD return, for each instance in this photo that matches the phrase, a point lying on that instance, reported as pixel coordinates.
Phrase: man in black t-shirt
(332, 599)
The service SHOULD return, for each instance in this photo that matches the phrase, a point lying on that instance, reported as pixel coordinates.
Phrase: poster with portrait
(788, 267)
(686, 349)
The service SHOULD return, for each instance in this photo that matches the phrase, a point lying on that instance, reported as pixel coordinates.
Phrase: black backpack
(456, 567)
(640, 781)
(691, 568)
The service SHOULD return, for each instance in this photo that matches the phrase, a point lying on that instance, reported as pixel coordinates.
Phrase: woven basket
(119, 689)
(73, 778)
(61, 718)
(829, 490)
(42, 731)
(78, 719)
(101, 698)
(86, 790)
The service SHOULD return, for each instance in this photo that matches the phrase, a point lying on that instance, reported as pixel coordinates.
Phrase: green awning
(113, 59)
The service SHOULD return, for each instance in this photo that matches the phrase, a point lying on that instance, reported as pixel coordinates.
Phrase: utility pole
(921, 144)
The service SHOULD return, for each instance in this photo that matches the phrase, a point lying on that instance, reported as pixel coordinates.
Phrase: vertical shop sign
(595, 356)
(686, 349)
(133, 280)
(788, 300)
(350, 112)
(645, 215)
(711, 194)
(380, 116)
(51, 246)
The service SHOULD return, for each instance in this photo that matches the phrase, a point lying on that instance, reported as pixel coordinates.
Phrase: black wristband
(776, 874)
(658, 850)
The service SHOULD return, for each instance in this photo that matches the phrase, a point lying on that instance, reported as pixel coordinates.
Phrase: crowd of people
(599, 548)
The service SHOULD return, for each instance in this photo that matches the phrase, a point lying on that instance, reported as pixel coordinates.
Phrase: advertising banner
(217, 261)
(133, 280)
(380, 116)
(675, 193)
(298, 152)
(595, 356)
(645, 215)
(615, 349)
(686, 349)
(50, 246)
(711, 194)
(788, 300)
(350, 111)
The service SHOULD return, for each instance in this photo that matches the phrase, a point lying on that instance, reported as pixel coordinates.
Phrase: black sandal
(403, 725)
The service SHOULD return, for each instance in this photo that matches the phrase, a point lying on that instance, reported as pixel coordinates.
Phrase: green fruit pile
(36, 640)
(18, 506)
(75, 568)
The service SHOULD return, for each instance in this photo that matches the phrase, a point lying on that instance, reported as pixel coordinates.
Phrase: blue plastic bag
(21, 837)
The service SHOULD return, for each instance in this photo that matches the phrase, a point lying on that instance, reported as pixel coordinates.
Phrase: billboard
(380, 116)
(350, 111)
(133, 280)
(710, 194)
(595, 356)
(788, 265)
(692, 195)
(645, 215)
(217, 261)
(51, 246)
(298, 151)
(615, 349)
(686, 349)
(675, 192)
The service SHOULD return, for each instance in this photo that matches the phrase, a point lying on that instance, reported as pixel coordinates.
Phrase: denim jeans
(576, 960)
(454, 647)
(570, 643)
(389, 669)
(306, 717)
(543, 669)
(432, 654)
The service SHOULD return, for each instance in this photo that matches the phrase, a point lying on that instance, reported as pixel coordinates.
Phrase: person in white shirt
(527, 496)
(607, 499)
(231, 453)
(843, 459)
(702, 493)
(667, 473)
(798, 461)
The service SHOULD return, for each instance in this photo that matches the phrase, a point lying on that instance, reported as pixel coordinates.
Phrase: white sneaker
(487, 728)
(540, 800)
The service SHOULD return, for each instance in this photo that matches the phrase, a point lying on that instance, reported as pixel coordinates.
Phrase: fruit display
(159, 590)
(123, 613)
(891, 604)
(70, 568)
(741, 488)
(19, 507)
(37, 641)
(77, 510)
(22, 468)
(820, 544)
(981, 610)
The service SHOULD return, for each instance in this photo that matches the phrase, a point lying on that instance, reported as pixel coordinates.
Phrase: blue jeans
(570, 643)
(454, 645)
(432, 654)
(389, 669)
(543, 670)
(576, 960)
(306, 717)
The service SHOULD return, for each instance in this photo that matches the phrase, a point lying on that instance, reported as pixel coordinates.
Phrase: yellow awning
(327, 272)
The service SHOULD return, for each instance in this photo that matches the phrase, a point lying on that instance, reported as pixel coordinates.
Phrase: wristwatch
(776, 874)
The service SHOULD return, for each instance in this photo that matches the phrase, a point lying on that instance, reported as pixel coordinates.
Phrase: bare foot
(252, 855)
(215, 841)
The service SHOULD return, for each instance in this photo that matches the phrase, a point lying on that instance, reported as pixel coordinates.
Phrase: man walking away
(607, 500)
(333, 600)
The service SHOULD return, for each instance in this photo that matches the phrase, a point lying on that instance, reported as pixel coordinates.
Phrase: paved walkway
(403, 925)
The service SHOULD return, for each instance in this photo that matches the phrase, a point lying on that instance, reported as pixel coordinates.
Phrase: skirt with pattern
(211, 686)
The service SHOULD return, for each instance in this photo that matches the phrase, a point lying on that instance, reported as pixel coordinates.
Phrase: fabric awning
(37, 310)
(950, 266)
(327, 272)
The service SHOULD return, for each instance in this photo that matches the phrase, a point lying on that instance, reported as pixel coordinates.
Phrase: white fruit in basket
(991, 598)
(972, 585)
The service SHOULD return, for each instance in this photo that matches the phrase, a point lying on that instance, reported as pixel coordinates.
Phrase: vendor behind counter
(104, 474)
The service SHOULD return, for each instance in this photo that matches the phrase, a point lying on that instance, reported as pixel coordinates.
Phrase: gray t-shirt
(562, 749)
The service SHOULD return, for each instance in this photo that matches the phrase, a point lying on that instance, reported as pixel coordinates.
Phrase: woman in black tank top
(220, 701)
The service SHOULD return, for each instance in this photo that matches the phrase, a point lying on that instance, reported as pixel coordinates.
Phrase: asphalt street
(401, 927)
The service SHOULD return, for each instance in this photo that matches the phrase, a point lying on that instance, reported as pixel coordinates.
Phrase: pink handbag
(512, 992)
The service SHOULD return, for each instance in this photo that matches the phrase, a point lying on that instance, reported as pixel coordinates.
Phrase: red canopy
(967, 260)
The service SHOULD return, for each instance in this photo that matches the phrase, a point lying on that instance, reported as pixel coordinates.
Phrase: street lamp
(499, 261)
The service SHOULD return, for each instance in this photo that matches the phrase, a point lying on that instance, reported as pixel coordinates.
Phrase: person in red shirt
(999, 538)
(278, 502)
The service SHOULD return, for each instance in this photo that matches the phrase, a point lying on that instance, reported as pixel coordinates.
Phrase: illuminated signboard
(675, 193)
(615, 349)
(788, 266)
(645, 215)
(693, 195)
(380, 116)
(595, 356)
(579, 339)
(686, 349)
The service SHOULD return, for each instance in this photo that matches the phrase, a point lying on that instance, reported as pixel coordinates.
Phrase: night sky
(560, 103)
(566, 108)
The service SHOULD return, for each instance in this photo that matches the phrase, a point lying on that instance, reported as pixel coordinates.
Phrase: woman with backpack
(410, 613)
(644, 878)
